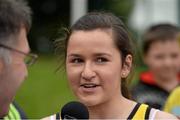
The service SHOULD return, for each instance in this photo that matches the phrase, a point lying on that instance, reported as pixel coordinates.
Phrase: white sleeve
(153, 113)
(53, 117)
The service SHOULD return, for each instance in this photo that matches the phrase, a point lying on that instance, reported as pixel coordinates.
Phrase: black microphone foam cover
(74, 110)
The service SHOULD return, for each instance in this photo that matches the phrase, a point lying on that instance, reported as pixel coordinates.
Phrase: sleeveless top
(139, 112)
(142, 112)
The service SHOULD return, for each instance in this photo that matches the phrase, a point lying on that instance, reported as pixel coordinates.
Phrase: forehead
(164, 46)
(94, 37)
(92, 43)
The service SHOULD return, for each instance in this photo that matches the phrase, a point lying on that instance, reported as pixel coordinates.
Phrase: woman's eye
(100, 60)
(76, 60)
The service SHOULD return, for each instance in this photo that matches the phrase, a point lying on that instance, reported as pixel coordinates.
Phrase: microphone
(74, 110)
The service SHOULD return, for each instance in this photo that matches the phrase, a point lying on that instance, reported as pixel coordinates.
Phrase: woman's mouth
(89, 87)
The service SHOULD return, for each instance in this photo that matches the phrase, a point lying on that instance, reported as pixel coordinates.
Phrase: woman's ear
(127, 65)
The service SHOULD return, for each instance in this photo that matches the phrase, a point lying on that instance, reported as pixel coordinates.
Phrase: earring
(123, 75)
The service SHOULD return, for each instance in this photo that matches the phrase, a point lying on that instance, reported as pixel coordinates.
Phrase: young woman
(98, 58)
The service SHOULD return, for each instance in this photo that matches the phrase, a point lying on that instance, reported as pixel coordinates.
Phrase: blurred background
(45, 91)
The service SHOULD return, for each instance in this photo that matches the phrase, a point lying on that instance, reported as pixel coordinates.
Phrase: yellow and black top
(140, 112)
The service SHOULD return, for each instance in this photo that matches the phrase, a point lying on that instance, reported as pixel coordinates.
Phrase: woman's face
(94, 66)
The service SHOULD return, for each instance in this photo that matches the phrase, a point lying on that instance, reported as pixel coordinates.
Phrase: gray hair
(13, 15)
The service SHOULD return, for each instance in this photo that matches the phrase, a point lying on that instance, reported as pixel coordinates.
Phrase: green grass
(45, 91)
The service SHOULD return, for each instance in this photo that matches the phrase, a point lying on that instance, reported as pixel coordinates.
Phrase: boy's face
(163, 59)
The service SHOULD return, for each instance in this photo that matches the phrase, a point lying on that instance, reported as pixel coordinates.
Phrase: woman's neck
(113, 109)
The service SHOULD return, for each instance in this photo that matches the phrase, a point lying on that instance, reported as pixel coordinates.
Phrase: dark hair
(101, 20)
(13, 14)
(161, 32)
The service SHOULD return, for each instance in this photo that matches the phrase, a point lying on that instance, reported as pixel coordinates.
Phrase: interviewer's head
(15, 22)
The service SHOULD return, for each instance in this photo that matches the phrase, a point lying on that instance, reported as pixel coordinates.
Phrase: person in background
(179, 45)
(161, 54)
(15, 22)
(98, 58)
(172, 104)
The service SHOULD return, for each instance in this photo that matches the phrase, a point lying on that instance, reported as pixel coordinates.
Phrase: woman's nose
(88, 73)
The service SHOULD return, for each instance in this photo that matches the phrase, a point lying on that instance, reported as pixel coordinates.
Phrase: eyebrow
(96, 54)
(102, 54)
(74, 55)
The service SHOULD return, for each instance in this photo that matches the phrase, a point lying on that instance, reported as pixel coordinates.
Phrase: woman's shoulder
(52, 117)
(164, 115)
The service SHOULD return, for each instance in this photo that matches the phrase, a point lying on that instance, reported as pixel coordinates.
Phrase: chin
(89, 102)
(5, 105)
(4, 111)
